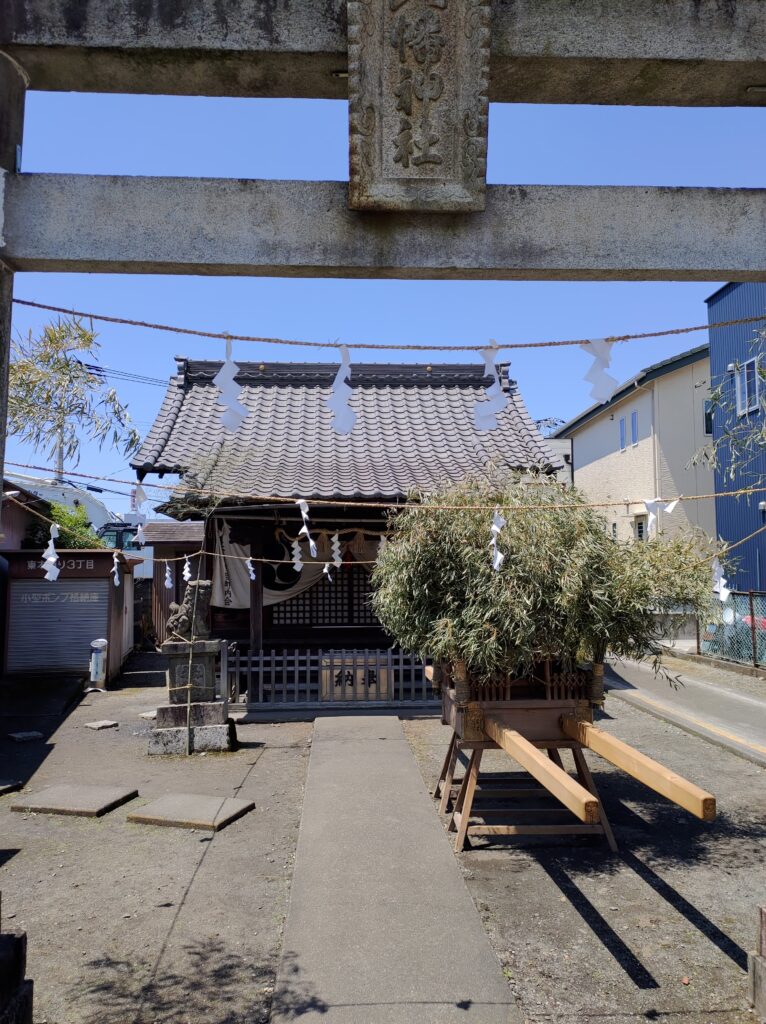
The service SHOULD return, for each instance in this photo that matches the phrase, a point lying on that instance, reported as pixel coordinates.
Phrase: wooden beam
(653, 774)
(561, 785)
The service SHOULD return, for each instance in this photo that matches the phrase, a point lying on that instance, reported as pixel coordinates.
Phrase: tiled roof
(415, 429)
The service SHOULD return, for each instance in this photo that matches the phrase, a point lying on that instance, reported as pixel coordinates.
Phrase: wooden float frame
(532, 732)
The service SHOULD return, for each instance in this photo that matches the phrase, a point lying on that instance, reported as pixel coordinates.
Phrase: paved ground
(378, 902)
(721, 706)
(586, 935)
(130, 924)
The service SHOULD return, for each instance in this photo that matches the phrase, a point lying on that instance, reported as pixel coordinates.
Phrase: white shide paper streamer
(719, 581)
(234, 414)
(187, 573)
(297, 560)
(115, 570)
(655, 505)
(327, 572)
(337, 557)
(344, 416)
(485, 412)
(168, 577)
(50, 557)
(250, 568)
(603, 385)
(140, 538)
(304, 530)
(139, 496)
(498, 522)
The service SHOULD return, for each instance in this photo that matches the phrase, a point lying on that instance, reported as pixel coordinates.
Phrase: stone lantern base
(192, 662)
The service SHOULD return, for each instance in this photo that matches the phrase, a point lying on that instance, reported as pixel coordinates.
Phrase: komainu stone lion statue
(189, 620)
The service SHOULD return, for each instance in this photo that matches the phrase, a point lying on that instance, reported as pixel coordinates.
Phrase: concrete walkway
(381, 928)
(715, 712)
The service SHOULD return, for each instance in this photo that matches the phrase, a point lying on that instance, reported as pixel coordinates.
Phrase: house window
(640, 526)
(747, 387)
(708, 416)
(622, 434)
(634, 428)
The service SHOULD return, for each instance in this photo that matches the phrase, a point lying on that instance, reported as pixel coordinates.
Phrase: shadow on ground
(33, 704)
(203, 981)
(142, 669)
(655, 839)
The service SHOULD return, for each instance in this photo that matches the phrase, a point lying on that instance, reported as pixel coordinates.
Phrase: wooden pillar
(256, 593)
(13, 86)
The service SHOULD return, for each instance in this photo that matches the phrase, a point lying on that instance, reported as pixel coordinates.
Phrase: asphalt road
(718, 706)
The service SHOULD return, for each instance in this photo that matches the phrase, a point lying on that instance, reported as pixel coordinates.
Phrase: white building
(640, 445)
(66, 494)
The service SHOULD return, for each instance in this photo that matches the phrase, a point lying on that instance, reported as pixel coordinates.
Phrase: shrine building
(415, 431)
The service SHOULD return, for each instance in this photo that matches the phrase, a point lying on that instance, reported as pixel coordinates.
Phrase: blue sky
(193, 136)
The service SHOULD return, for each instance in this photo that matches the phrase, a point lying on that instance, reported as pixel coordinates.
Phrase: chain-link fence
(736, 628)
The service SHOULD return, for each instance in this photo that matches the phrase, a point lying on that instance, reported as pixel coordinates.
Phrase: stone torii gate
(419, 74)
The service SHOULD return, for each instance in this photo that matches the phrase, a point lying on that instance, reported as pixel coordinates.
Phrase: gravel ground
(130, 924)
(659, 931)
(127, 923)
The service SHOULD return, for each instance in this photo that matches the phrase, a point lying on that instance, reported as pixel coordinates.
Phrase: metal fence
(736, 628)
(279, 678)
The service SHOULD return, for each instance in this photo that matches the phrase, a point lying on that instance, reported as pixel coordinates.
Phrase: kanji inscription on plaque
(418, 78)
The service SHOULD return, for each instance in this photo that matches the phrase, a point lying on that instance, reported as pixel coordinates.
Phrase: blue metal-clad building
(735, 355)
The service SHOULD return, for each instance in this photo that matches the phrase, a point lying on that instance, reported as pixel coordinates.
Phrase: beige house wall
(605, 473)
(670, 430)
(679, 416)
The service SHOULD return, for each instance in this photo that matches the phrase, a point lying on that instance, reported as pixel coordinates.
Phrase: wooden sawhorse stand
(470, 783)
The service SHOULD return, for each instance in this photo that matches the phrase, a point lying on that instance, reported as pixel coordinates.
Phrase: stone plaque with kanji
(418, 77)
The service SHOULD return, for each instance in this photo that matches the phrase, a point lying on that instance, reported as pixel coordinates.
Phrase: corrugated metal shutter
(51, 625)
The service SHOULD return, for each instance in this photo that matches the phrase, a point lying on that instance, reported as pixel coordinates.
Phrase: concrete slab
(7, 786)
(28, 736)
(381, 927)
(83, 801)
(191, 810)
(103, 724)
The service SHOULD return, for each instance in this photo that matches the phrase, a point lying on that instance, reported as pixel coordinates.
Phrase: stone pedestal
(211, 729)
(199, 670)
(204, 739)
(192, 663)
